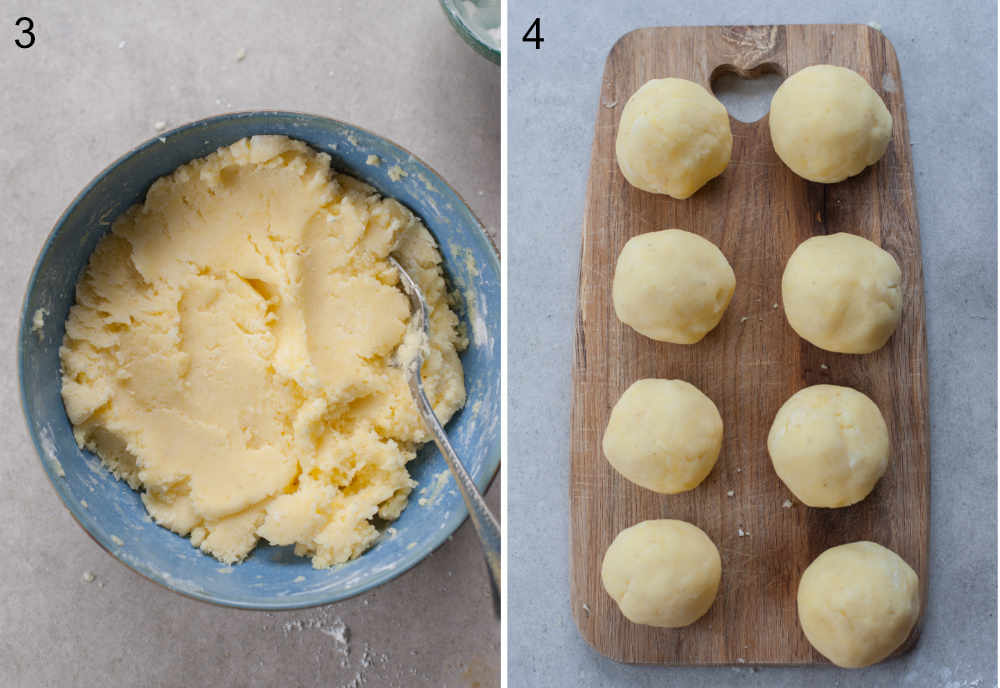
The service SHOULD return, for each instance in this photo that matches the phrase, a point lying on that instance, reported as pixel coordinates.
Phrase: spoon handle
(485, 523)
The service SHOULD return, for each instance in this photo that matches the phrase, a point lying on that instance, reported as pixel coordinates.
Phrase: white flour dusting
(366, 667)
(334, 628)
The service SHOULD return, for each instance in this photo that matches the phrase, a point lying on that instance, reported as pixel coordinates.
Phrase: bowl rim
(462, 29)
(420, 554)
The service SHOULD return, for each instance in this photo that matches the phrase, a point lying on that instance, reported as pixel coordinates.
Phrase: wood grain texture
(757, 212)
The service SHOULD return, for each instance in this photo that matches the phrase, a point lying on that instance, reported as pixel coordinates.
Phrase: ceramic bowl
(478, 23)
(271, 577)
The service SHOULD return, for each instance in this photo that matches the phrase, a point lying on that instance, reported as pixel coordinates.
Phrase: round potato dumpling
(829, 445)
(673, 137)
(858, 603)
(828, 124)
(672, 286)
(842, 293)
(662, 573)
(664, 435)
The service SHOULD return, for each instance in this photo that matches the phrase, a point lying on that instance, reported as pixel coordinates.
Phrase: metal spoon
(485, 523)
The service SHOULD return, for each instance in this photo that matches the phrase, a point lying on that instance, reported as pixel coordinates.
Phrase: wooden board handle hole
(746, 93)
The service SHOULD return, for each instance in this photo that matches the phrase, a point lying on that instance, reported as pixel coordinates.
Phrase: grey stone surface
(99, 77)
(947, 55)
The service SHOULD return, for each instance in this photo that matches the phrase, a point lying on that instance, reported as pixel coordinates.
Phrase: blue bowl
(271, 577)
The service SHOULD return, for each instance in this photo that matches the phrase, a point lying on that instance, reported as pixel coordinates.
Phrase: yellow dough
(828, 124)
(842, 293)
(858, 603)
(672, 285)
(662, 573)
(664, 435)
(829, 445)
(229, 352)
(673, 137)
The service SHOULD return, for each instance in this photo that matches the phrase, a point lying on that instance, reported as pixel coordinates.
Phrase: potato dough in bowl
(230, 352)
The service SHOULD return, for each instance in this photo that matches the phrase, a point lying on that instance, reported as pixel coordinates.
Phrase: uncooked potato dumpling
(673, 137)
(662, 573)
(672, 285)
(828, 124)
(829, 445)
(664, 435)
(858, 603)
(842, 293)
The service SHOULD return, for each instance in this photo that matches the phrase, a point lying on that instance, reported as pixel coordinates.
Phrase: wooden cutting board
(757, 212)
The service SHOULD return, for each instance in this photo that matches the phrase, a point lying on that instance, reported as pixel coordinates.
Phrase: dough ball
(828, 124)
(672, 285)
(858, 603)
(662, 573)
(664, 435)
(829, 445)
(673, 137)
(842, 293)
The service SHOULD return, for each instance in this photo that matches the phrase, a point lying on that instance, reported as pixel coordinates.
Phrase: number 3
(26, 31)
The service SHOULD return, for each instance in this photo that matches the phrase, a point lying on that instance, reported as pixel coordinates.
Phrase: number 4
(537, 39)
